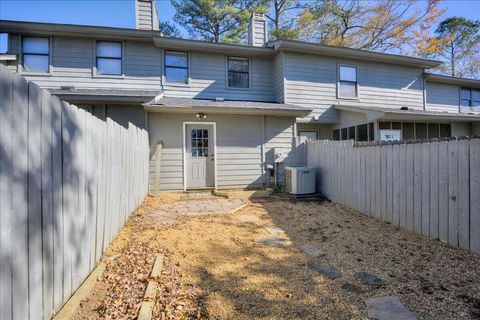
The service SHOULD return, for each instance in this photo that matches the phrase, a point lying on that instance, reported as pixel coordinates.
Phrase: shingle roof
(227, 106)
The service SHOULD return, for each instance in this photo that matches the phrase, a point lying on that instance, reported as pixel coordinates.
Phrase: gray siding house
(219, 114)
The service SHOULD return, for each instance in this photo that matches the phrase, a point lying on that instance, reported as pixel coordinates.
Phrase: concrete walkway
(168, 214)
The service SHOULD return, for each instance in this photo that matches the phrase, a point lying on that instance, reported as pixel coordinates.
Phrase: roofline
(394, 114)
(306, 47)
(440, 78)
(200, 45)
(42, 28)
(225, 110)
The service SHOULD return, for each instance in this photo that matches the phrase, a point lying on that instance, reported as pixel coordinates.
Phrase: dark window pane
(362, 132)
(384, 125)
(420, 131)
(35, 63)
(347, 90)
(371, 131)
(348, 74)
(194, 133)
(109, 66)
(445, 130)
(176, 75)
(237, 79)
(109, 49)
(344, 134)
(433, 130)
(238, 64)
(396, 125)
(351, 133)
(176, 59)
(336, 135)
(408, 132)
(35, 45)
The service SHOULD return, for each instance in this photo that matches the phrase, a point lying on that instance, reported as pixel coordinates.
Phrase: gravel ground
(217, 269)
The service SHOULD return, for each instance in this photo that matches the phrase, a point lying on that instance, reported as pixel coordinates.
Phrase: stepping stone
(352, 288)
(327, 271)
(312, 251)
(388, 308)
(274, 230)
(275, 242)
(369, 279)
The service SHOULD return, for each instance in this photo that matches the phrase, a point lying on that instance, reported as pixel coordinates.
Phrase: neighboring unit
(218, 111)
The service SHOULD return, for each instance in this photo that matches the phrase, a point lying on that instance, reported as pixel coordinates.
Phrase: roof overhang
(305, 47)
(206, 46)
(439, 78)
(185, 105)
(53, 29)
(104, 95)
(374, 114)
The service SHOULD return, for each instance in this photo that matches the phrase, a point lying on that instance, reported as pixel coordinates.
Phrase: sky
(121, 13)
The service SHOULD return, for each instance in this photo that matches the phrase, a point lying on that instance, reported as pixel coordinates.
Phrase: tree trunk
(452, 59)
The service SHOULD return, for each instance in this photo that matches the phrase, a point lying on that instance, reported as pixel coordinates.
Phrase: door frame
(214, 125)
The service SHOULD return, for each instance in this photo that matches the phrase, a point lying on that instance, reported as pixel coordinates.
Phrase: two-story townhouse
(220, 111)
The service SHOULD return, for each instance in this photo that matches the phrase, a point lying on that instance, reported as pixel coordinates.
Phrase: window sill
(348, 99)
(238, 89)
(31, 73)
(177, 84)
(106, 76)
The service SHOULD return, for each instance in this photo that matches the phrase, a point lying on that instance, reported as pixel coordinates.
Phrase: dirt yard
(216, 268)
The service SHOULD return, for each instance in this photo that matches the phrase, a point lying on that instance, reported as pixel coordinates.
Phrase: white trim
(185, 123)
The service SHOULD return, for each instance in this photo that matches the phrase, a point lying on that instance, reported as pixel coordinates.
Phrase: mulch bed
(216, 267)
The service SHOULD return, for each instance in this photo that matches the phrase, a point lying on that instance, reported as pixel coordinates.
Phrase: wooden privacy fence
(432, 188)
(68, 182)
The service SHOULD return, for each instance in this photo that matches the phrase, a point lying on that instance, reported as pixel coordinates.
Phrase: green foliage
(215, 20)
(169, 29)
(277, 188)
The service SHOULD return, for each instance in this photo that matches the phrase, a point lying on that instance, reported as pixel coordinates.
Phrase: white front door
(200, 156)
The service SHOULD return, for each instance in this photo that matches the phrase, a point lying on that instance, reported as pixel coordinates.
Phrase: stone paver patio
(169, 213)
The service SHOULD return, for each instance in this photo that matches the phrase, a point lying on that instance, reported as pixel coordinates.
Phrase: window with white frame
(36, 54)
(347, 82)
(470, 100)
(238, 72)
(109, 58)
(176, 67)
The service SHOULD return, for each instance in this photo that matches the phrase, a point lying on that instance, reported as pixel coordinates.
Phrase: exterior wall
(239, 147)
(73, 61)
(311, 81)
(324, 130)
(208, 79)
(442, 97)
(278, 77)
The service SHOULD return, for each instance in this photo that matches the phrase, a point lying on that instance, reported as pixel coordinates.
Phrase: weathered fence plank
(464, 194)
(409, 187)
(417, 188)
(425, 188)
(474, 195)
(453, 193)
(443, 191)
(434, 190)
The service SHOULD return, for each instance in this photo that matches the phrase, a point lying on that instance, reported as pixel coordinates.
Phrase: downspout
(424, 91)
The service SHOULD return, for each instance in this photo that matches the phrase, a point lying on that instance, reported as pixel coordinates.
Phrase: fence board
(474, 195)
(402, 186)
(443, 191)
(453, 193)
(19, 190)
(396, 185)
(463, 194)
(383, 189)
(417, 188)
(37, 211)
(409, 188)
(425, 188)
(389, 174)
(434, 187)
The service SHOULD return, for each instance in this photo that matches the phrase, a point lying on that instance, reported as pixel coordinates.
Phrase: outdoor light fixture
(201, 116)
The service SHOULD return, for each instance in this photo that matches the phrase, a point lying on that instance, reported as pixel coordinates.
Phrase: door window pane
(199, 143)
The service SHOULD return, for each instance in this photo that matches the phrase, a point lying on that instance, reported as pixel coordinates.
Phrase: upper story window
(470, 100)
(109, 58)
(176, 67)
(347, 82)
(238, 72)
(35, 54)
